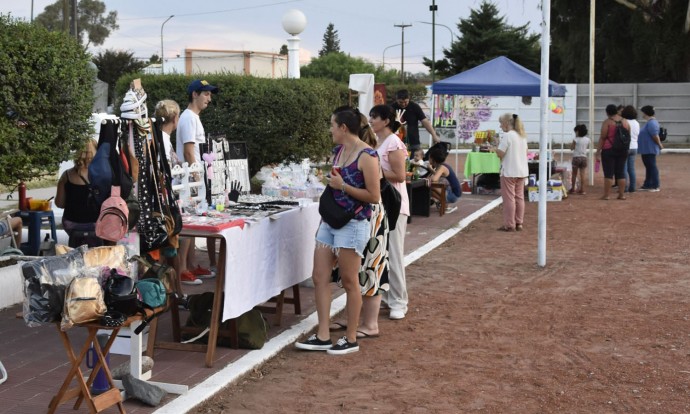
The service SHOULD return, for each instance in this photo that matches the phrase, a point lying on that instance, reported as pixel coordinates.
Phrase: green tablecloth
(482, 163)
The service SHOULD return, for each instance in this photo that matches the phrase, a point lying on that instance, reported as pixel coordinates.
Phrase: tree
(155, 59)
(339, 66)
(47, 87)
(639, 41)
(484, 36)
(331, 43)
(283, 50)
(112, 64)
(91, 20)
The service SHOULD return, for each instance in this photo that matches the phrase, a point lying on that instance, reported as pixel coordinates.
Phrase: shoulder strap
(82, 178)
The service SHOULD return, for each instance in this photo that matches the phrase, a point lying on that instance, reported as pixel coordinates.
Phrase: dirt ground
(603, 328)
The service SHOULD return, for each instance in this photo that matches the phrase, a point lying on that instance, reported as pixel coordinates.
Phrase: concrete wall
(671, 102)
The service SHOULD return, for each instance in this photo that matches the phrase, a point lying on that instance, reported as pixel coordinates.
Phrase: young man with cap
(411, 117)
(190, 133)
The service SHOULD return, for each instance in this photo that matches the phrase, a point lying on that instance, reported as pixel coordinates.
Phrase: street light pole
(433, 9)
(383, 57)
(162, 54)
(452, 35)
(402, 45)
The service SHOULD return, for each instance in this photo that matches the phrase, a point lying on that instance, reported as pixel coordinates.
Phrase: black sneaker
(313, 343)
(343, 347)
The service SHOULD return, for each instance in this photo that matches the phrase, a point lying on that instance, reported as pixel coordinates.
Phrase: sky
(365, 27)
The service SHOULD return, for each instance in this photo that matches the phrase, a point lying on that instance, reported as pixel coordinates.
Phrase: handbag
(333, 213)
(391, 199)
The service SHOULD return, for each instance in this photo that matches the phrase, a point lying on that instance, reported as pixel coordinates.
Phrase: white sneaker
(396, 314)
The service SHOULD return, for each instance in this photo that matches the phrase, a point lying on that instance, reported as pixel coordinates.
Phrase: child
(417, 164)
(442, 172)
(579, 146)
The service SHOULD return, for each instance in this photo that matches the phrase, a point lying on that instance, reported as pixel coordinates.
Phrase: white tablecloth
(268, 257)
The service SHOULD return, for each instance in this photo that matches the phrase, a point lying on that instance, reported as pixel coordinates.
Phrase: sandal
(504, 228)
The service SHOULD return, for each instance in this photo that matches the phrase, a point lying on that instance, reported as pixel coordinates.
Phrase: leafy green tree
(635, 41)
(484, 36)
(283, 50)
(112, 64)
(339, 66)
(47, 92)
(154, 59)
(331, 42)
(91, 20)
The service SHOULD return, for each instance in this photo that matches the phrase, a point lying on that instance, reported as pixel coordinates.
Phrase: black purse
(391, 199)
(333, 213)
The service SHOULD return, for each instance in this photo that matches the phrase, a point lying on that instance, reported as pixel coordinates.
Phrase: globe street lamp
(294, 23)
(162, 54)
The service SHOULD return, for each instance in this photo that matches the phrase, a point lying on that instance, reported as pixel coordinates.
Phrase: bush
(279, 119)
(46, 82)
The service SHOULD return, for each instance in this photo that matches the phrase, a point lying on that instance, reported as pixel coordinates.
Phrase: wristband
(343, 187)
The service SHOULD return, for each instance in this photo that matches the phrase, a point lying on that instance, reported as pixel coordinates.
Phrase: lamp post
(452, 35)
(294, 23)
(162, 54)
(433, 8)
(402, 45)
(383, 57)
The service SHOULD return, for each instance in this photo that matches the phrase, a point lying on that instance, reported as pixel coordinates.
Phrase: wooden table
(257, 261)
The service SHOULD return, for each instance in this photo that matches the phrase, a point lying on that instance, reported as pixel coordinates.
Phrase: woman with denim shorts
(355, 184)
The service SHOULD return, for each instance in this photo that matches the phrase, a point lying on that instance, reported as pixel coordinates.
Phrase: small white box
(552, 194)
(121, 345)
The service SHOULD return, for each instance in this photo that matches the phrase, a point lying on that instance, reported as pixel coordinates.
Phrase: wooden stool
(279, 301)
(97, 403)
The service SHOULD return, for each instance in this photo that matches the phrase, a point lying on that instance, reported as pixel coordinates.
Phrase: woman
(630, 114)
(373, 277)
(78, 220)
(612, 162)
(392, 154)
(442, 172)
(512, 150)
(649, 146)
(355, 184)
(169, 110)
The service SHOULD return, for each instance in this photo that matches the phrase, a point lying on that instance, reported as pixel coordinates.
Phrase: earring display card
(237, 165)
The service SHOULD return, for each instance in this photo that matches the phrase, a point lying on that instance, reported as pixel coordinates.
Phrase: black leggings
(613, 163)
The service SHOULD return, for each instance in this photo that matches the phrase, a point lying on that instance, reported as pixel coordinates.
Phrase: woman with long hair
(392, 154)
(512, 150)
(78, 220)
(354, 182)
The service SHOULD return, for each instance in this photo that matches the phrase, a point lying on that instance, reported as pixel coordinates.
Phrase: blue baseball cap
(200, 86)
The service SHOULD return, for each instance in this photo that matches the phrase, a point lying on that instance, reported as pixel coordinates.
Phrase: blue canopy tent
(497, 77)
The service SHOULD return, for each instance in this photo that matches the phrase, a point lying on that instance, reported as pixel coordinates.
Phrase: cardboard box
(552, 193)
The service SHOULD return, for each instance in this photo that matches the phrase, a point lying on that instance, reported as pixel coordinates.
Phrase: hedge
(46, 85)
(279, 119)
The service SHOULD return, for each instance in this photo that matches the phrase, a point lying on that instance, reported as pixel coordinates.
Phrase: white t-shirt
(189, 129)
(514, 162)
(390, 144)
(581, 146)
(634, 132)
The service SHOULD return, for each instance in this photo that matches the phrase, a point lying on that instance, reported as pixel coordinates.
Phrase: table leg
(216, 309)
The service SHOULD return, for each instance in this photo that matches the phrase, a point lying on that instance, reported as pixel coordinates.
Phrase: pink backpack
(112, 222)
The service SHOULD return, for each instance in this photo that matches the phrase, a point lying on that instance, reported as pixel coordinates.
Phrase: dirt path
(602, 328)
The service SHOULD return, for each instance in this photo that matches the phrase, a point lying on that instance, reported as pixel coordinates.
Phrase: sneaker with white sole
(313, 343)
(396, 314)
(188, 278)
(343, 347)
(203, 273)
